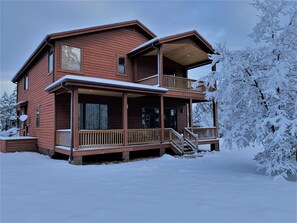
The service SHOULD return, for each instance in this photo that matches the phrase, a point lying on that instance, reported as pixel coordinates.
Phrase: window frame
(37, 113)
(26, 82)
(81, 58)
(50, 65)
(118, 64)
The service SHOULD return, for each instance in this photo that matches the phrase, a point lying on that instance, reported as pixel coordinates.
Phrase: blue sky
(24, 24)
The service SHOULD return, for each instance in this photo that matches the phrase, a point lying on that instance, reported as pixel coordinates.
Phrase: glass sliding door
(93, 116)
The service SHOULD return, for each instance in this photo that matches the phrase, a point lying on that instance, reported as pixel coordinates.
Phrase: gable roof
(59, 35)
(206, 46)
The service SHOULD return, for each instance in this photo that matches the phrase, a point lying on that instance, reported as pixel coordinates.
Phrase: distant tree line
(8, 117)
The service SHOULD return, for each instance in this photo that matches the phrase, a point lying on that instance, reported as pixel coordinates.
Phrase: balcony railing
(183, 84)
(175, 83)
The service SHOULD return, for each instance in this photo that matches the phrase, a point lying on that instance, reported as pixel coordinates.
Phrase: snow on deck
(102, 81)
(219, 187)
(16, 137)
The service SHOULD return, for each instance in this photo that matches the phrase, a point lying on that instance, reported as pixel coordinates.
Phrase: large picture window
(71, 58)
(93, 116)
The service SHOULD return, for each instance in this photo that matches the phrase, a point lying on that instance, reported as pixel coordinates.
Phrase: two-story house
(114, 89)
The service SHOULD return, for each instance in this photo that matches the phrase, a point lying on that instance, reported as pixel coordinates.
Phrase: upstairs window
(26, 82)
(71, 58)
(51, 60)
(121, 65)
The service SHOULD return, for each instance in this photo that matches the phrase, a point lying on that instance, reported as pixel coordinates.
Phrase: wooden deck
(99, 142)
(18, 144)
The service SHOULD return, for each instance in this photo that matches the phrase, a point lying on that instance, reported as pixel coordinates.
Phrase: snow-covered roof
(105, 82)
(145, 44)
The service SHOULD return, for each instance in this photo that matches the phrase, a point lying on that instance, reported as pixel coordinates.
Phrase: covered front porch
(94, 117)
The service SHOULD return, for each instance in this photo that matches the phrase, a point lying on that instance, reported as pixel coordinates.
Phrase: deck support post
(215, 116)
(162, 152)
(75, 119)
(162, 118)
(215, 108)
(191, 113)
(125, 117)
(126, 156)
(77, 160)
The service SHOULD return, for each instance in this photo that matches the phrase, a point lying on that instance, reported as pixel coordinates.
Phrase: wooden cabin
(114, 89)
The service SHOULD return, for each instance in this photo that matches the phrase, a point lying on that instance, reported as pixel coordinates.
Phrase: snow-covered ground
(219, 187)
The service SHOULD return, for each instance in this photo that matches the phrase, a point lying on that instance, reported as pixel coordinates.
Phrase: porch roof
(189, 49)
(101, 82)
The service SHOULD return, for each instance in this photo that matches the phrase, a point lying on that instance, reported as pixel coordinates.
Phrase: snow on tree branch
(258, 88)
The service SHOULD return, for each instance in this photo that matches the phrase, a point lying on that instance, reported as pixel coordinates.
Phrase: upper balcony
(165, 62)
(175, 83)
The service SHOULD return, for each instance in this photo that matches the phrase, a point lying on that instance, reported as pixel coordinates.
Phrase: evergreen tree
(7, 111)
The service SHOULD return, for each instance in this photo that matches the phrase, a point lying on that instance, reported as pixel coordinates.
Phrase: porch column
(215, 108)
(191, 113)
(75, 119)
(125, 117)
(160, 71)
(162, 117)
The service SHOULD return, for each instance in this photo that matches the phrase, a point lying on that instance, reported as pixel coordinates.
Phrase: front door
(170, 118)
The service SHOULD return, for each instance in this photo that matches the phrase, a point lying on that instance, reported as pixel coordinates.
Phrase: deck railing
(63, 137)
(98, 138)
(174, 82)
(143, 136)
(151, 80)
(205, 133)
(183, 84)
(116, 137)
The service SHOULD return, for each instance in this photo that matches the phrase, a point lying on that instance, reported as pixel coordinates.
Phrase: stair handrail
(194, 136)
(180, 145)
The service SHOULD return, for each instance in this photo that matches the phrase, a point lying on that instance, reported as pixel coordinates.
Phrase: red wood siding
(39, 79)
(100, 52)
(63, 111)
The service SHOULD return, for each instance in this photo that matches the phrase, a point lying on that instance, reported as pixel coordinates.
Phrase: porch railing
(93, 138)
(116, 137)
(142, 136)
(63, 137)
(204, 133)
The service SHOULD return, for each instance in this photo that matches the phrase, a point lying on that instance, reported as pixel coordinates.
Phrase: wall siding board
(39, 79)
(100, 52)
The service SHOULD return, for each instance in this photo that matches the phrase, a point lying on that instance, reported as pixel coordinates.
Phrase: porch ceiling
(185, 54)
(106, 93)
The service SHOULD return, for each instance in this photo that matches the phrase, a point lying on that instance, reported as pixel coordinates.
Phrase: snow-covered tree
(259, 88)
(7, 111)
(202, 114)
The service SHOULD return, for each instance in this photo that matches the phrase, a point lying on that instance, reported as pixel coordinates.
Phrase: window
(26, 82)
(150, 117)
(121, 65)
(37, 116)
(51, 60)
(71, 58)
(92, 116)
